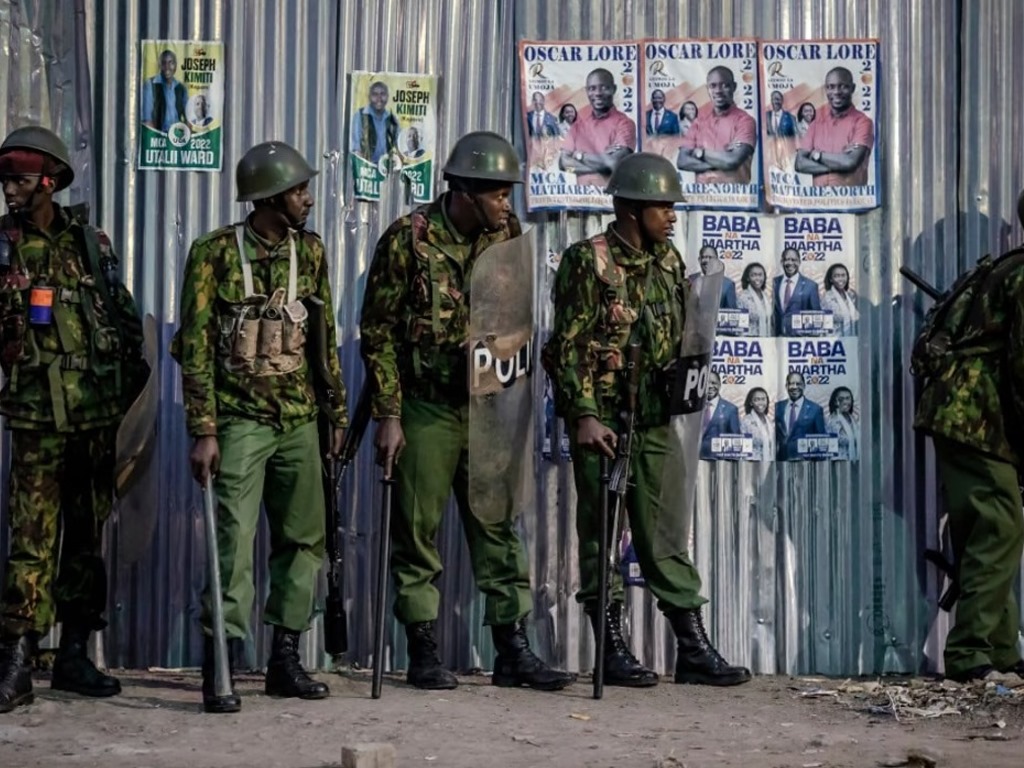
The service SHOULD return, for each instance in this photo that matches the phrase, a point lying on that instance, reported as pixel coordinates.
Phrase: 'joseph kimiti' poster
(182, 105)
(393, 130)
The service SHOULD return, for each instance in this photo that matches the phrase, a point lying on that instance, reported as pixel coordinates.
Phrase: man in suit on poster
(795, 418)
(793, 292)
(720, 417)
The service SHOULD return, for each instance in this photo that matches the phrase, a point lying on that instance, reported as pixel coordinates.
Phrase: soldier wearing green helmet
(251, 408)
(415, 334)
(70, 346)
(627, 285)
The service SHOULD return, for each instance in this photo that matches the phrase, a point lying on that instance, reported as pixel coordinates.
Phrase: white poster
(820, 127)
(738, 420)
(745, 243)
(580, 103)
(700, 111)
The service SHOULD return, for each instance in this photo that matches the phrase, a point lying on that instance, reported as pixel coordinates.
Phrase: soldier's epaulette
(9, 226)
(216, 236)
(605, 266)
(419, 223)
(311, 238)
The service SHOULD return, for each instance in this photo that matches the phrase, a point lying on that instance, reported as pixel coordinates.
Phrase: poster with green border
(181, 105)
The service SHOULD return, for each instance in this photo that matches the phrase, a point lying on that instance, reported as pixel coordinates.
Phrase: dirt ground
(774, 722)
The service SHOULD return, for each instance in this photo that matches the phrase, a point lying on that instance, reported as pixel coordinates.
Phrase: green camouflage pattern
(415, 318)
(213, 281)
(72, 374)
(61, 487)
(977, 396)
(595, 311)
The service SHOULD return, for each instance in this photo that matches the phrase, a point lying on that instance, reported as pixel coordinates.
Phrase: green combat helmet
(269, 169)
(483, 156)
(645, 177)
(39, 139)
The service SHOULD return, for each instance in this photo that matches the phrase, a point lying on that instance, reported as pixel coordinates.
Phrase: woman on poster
(842, 423)
(755, 423)
(841, 300)
(753, 297)
(804, 117)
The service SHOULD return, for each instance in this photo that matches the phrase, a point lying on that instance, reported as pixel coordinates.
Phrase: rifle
(934, 556)
(328, 395)
(923, 285)
(617, 483)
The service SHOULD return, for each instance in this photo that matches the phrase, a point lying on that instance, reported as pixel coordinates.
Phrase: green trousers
(283, 469)
(434, 463)
(987, 530)
(61, 486)
(674, 579)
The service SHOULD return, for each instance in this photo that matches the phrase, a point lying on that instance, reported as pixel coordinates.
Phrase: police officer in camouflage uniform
(414, 343)
(71, 352)
(251, 408)
(973, 407)
(628, 282)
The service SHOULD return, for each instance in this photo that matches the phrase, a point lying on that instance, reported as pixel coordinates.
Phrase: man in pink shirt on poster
(601, 135)
(720, 144)
(837, 146)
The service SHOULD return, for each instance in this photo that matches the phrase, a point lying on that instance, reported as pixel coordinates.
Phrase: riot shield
(501, 450)
(134, 483)
(682, 456)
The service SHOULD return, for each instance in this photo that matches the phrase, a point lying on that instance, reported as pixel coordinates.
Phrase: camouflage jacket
(82, 368)
(977, 398)
(596, 306)
(415, 317)
(213, 283)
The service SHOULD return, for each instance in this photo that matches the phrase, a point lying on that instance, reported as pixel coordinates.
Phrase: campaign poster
(182, 105)
(820, 127)
(817, 412)
(700, 111)
(745, 244)
(580, 104)
(815, 288)
(737, 423)
(392, 132)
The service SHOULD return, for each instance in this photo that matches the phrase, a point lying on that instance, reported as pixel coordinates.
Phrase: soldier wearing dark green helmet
(415, 333)
(71, 339)
(629, 284)
(251, 407)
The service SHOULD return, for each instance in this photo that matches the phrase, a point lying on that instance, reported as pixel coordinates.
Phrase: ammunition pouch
(261, 338)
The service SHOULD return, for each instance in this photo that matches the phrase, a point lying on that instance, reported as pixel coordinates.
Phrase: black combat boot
(16, 672)
(211, 701)
(697, 661)
(425, 669)
(517, 665)
(72, 669)
(620, 666)
(285, 675)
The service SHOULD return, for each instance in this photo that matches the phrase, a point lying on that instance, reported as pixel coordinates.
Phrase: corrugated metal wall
(810, 568)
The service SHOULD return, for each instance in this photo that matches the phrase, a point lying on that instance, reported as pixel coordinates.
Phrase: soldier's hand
(205, 459)
(595, 436)
(337, 441)
(389, 441)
